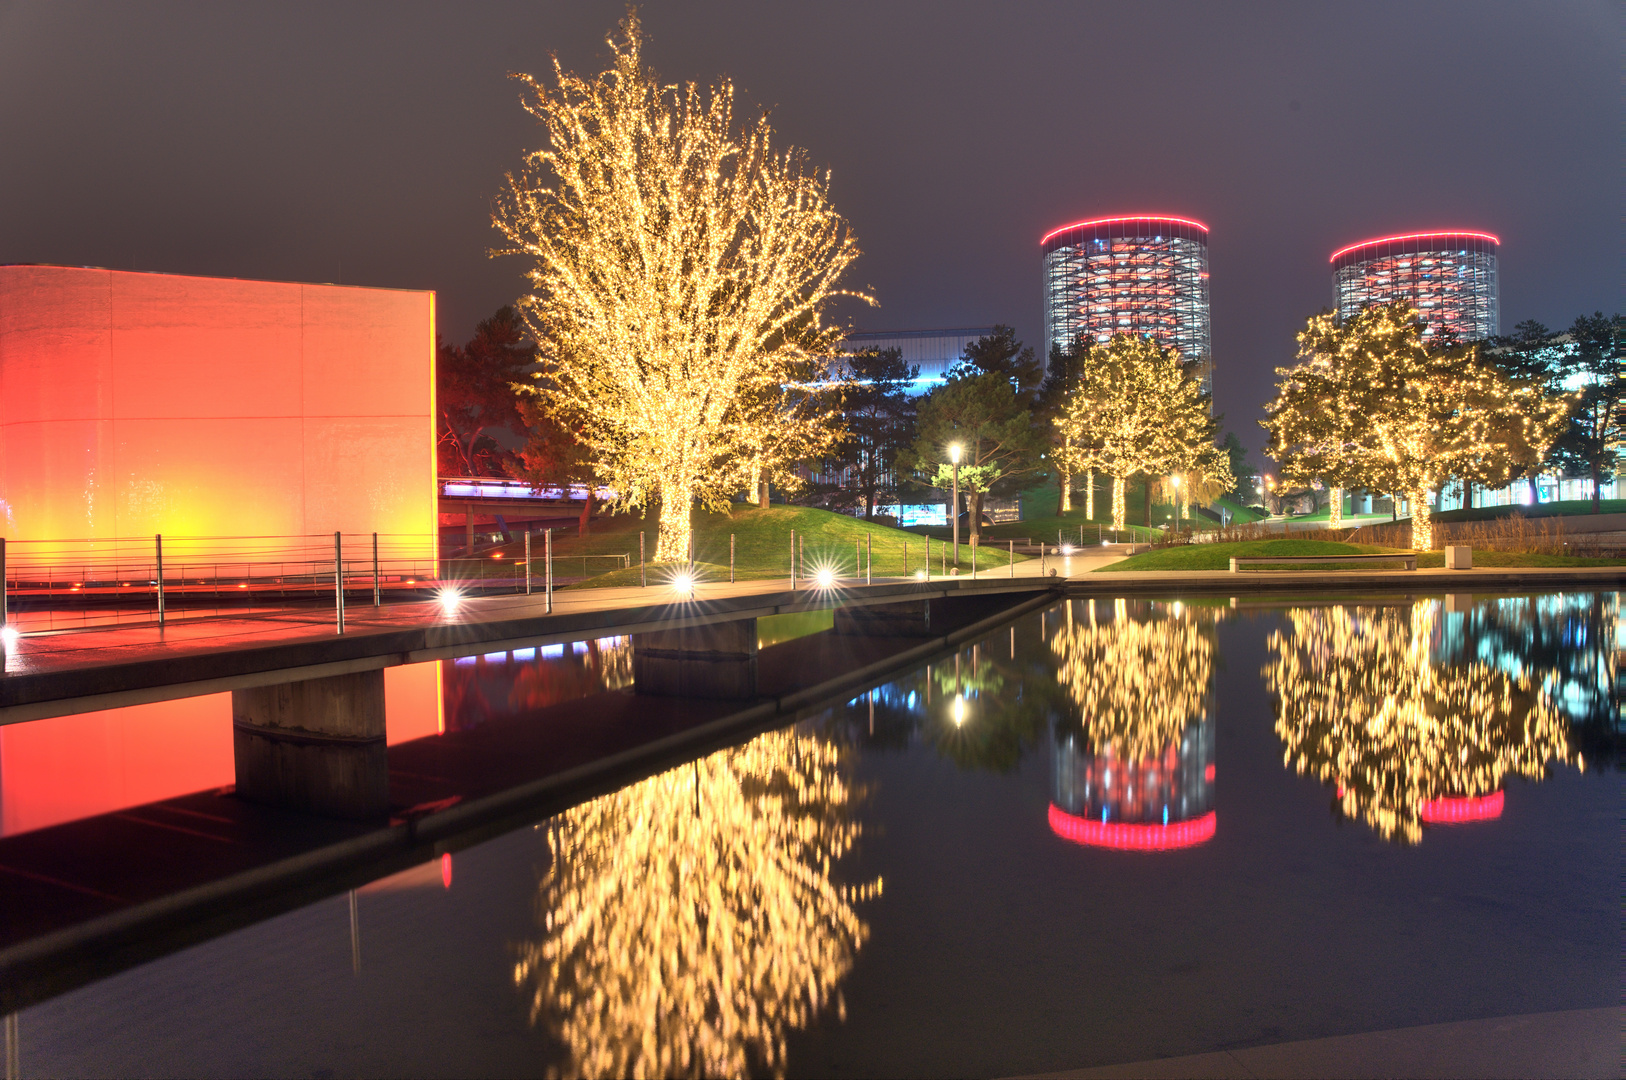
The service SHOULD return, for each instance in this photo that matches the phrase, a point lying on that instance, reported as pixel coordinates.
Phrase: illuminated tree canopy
(689, 920)
(1371, 405)
(680, 269)
(1138, 408)
(1362, 705)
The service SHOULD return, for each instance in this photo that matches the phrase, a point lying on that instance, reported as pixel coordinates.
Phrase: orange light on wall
(134, 404)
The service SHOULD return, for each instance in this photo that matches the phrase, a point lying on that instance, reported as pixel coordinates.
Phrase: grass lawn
(1558, 509)
(761, 547)
(1218, 556)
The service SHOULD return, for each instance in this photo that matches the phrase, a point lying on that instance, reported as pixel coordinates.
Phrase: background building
(933, 351)
(133, 404)
(1450, 277)
(1133, 275)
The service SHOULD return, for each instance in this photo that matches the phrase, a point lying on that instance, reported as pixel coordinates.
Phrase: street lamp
(954, 456)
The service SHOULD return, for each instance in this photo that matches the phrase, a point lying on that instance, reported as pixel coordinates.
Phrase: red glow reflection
(446, 870)
(1121, 836)
(1457, 811)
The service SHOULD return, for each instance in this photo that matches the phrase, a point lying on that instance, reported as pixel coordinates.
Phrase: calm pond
(1107, 832)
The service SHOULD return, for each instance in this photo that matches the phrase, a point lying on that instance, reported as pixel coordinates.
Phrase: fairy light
(689, 922)
(1137, 409)
(1369, 405)
(1363, 707)
(680, 268)
(1137, 682)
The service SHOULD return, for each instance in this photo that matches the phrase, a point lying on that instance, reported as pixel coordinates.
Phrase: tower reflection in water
(1369, 702)
(689, 921)
(1134, 762)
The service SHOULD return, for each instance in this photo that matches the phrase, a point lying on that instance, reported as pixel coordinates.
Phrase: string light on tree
(680, 268)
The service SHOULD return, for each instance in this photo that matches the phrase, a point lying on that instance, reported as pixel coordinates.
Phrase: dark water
(1106, 833)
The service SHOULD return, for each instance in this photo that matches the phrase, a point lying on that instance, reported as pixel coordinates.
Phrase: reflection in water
(510, 684)
(1364, 704)
(1135, 770)
(690, 921)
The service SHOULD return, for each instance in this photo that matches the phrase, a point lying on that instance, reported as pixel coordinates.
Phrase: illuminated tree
(1362, 705)
(1138, 408)
(1137, 681)
(1316, 425)
(689, 920)
(680, 268)
(1374, 406)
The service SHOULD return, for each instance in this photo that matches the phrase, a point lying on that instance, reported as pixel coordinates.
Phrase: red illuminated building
(1141, 275)
(1449, 277)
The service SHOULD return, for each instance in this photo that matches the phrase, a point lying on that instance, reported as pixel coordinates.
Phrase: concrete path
(1574, 1043)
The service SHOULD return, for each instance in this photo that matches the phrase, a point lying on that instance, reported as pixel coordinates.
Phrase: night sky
(363, 143)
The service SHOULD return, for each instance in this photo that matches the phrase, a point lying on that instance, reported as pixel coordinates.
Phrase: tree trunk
(1146, 495)
(1066, 482)
(1597, 482)
(1089, 495)
(1117, 504)
(583, 525)
(976, 516)
(1422, 521)
(1535, 496)
(1335, 511)
(677, 502)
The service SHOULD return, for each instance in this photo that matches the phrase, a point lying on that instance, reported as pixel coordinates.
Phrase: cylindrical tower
(1145, 274)
(1449, 277)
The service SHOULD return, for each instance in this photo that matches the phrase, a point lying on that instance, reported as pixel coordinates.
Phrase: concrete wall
(133, 404)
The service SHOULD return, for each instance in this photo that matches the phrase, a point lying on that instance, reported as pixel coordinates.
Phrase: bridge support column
(316, 745)
(911, 619)
(716, 661)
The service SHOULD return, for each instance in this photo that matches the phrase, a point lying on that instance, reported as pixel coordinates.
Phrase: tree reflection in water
(1363, 704)
(690, 920)
(1134, 764)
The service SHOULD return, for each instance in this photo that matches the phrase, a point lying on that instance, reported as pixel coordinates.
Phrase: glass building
(1132, 275)
(1449, 277)
(932, 351)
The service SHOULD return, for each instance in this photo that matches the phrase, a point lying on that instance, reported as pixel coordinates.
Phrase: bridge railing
(53, 585)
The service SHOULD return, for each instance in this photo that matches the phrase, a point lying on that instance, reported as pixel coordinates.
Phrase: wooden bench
(1409, 559)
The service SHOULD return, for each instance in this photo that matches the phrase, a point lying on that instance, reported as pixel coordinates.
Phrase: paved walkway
(1574, 1043)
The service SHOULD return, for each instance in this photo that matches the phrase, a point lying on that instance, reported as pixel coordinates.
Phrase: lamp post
(954, 456)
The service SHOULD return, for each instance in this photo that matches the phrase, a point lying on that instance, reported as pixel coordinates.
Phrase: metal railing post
(731, 558)
(338, 579)
(1012, 557)
(928, 556)
(158, 549)
(858, 559)
(793, 560)
(869, 556)
(2, 599)
(547, 555)
(642, 581)
(527, 562)
(906, 558)
(378, 595)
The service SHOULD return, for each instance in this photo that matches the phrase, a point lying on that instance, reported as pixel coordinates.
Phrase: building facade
(932, 351)
(1144, 275)
(134, 404)
(1449, 277)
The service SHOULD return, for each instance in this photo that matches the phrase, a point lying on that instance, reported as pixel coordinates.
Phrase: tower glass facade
(1131, 275)
(1449, 277)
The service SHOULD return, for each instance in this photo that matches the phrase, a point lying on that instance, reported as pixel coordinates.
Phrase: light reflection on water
(714, 918)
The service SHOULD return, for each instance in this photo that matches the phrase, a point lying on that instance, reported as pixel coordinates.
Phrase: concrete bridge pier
(715, 661)
(316, 745)
(910, 619)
